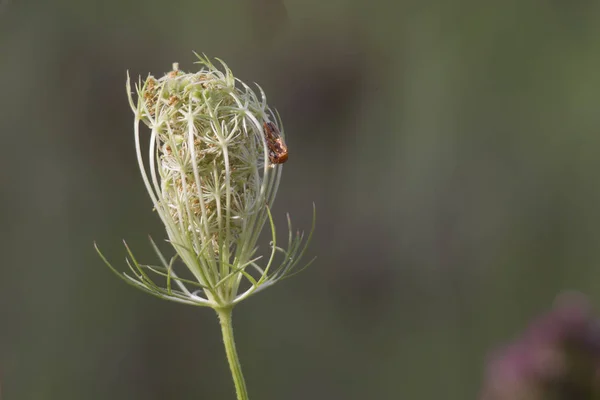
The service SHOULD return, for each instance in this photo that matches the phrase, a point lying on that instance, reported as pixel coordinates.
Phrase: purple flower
(557, 357)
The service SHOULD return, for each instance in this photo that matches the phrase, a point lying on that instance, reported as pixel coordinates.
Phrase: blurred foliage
(450, 147)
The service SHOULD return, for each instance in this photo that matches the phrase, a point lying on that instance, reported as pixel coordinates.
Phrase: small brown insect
(278, 152)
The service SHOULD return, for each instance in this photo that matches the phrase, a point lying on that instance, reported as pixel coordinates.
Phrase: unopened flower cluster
(211, 152)
(208, 172)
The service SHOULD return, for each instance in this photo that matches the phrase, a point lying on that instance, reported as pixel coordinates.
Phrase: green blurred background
(451, 148)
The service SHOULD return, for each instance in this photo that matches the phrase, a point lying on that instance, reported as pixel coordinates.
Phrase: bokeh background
(451, 148)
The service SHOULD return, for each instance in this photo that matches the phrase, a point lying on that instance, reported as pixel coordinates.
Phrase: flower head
(558, 357)
(212, 171)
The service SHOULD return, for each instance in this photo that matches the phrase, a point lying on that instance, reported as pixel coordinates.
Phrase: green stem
(232, 356)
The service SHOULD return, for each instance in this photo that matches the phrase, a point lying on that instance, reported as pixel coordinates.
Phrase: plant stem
(232, 356)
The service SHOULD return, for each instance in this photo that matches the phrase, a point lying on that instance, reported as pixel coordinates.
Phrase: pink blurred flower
(557, 357)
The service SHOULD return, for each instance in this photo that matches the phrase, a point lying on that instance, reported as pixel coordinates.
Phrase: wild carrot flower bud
(214, 164)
